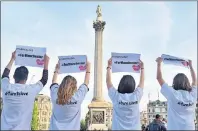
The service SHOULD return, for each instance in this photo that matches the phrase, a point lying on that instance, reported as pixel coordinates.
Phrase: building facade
(143, 118)
(156, 107)
(44, 111)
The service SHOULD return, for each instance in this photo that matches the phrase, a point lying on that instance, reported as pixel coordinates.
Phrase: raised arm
(55, 76)
(193, 75)
(83, 89)
(45, 71)
(87, 74)
(141, 84)
(6, 71)
(159, 72)
(108, 75)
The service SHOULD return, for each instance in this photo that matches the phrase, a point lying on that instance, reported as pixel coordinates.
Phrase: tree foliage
(197, 113)
(83, 126)
(1, 100)
(35, 120)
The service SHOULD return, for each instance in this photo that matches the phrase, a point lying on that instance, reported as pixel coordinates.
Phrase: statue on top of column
(99, 13)
(99, 23)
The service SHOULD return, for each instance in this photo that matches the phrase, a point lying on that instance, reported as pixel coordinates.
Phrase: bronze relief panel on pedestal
(98, 117)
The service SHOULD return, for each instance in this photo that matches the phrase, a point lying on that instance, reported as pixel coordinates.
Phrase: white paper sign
(125, 62)
(30, 56)
(72, 64)
(167, 59)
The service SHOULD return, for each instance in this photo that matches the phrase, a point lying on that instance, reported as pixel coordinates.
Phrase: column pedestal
(100, 115)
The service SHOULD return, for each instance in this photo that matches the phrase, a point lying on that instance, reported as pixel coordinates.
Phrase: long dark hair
(181, 82)
(127, 84)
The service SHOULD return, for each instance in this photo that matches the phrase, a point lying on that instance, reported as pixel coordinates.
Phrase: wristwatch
(108, 67)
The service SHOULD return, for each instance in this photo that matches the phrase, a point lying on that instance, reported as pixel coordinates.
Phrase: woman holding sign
(67, 100)
(18, 98)
(181, 97)
(126, 115)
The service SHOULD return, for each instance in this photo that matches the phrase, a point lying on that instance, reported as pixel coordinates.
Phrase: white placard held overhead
(167, 59)
(30, 56)
(125, 62)
(72, 64)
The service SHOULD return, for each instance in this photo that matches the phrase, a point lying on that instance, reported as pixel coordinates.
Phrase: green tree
(35, 121)
(83, 125)
(196, 113)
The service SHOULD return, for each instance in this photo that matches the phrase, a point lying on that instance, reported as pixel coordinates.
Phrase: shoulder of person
(166, 85)
(38, 83)
(56, 85)
(5, 78)
(83, 85)
(194, 88)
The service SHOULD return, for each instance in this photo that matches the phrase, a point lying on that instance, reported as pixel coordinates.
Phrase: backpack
(154, 127)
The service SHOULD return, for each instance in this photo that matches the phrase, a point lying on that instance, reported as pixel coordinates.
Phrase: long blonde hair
(66, 90)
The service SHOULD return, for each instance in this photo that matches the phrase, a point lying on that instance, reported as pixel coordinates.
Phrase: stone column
(98, 25)
(98, 108)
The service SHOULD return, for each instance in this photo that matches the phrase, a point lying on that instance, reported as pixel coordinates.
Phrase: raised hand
(190, 63)
(193, 75)
(141, 83)
(11, 60)
(46, 58)
(88, 66)
(141, 64)
(57, 68)
(46, 62)
(108, 74)
(55, 76)
(159, 60)
(13, 55)
(110, 62)
(159, 72)
(87, 74)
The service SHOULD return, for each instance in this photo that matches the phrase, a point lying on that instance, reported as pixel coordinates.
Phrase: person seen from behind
(18, 98)
(181, 97)
(126, 99)
(67, 100)
(164, 121)
(143, 127)
(156, 125)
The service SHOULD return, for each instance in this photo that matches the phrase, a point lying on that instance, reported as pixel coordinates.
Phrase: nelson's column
(99, 116)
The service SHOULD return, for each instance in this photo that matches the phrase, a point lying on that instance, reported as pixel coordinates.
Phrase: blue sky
(65, 28)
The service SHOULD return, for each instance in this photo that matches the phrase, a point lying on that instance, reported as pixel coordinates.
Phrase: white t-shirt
(18, 103)
(67, 117)
(126, 114)
(181, 107)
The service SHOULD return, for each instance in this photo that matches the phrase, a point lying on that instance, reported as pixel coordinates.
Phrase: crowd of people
(18, 99)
